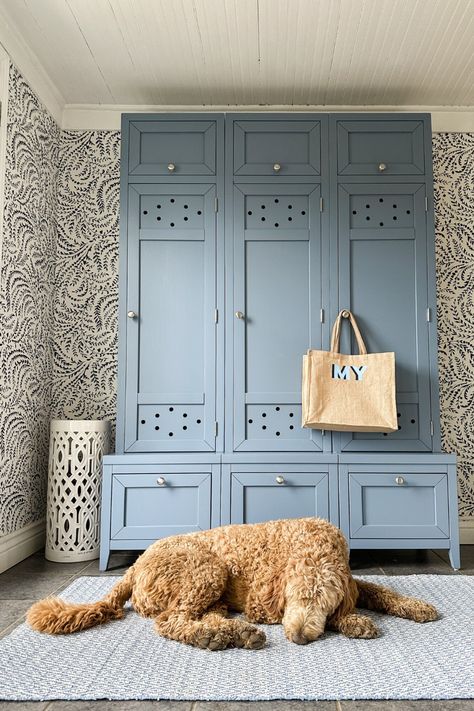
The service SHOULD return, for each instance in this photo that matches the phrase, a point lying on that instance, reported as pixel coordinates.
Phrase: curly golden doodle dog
(295, 572)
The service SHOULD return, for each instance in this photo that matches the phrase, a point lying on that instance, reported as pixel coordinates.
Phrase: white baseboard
(466, 531)
(16, 546)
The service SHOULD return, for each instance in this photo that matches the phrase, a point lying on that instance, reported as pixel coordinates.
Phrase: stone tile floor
(35, 578)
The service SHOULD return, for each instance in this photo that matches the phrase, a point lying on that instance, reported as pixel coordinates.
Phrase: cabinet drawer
(266, 496)
(261, 146)
(364, 147)
(156, 146)
(398, 504)
(151, 506)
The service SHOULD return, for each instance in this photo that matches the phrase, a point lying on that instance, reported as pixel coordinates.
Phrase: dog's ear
(272, 593)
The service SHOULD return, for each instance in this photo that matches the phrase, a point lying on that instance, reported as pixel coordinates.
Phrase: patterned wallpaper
(58, 302)
(85, 311)
(453, 155)
(26, 306)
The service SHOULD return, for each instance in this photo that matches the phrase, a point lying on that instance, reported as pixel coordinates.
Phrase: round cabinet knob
(276, 167)
(399, 480)
(280, 480)
(239, 315)
(161, 481)
(382, 167)
(131, 314)
(171, 167)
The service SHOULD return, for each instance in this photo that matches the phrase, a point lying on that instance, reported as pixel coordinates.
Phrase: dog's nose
(299, 638)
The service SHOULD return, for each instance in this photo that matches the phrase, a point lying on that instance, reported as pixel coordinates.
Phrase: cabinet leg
(104, 558)
(455, 557)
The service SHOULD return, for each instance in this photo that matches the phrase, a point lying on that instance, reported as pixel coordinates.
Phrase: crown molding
(27, 62)
(445, 119)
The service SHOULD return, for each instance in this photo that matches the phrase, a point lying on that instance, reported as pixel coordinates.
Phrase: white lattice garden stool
(74, 484)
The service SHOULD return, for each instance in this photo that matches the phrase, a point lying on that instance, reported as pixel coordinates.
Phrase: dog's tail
(55, 616)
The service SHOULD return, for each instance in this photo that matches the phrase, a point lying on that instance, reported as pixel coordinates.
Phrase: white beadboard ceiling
(252, 52)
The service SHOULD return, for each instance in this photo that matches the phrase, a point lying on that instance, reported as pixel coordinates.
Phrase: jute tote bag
(353, 393)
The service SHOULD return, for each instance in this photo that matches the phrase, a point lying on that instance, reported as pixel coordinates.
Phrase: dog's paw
(422, 612)
(212, 640)
(250, 638)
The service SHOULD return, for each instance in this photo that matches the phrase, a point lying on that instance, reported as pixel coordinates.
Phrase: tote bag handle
(336, 333)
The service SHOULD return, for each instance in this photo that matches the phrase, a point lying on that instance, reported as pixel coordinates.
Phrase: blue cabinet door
(171, 332)
(279, 146)
(275, 287)
(172, 147)
(383, 280)
(150, 506)
(385, 147)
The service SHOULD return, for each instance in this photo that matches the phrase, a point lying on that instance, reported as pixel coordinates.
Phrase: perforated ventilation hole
(395, 217)
(185, 427)
(381, 224)
(368, 207)
(264, 427)
(186, 219)
(142, 421)
(172, 200)
(198, 421)
(277, 408)
(199, 212)
(185, 207)
(276, 224)
(185, 414)
(291, 414)
(408, 212)
(171, 224)
(157, 427)
(399, 427)
(171, 409)
(290, 219)
(290, 207)
(277, 434)
(367, 218)
(157, 414)
(303, 212)
(394, 207)
(170, 434)
(354, 212)
(145, 212)
(263, 207)
(277, 200)
(249, 212)
(380, 199)
(262, 219)
(412, 421)
(385, 434)
(159, 207)
(264, 414)
(399, 414)
(158, 218)
(250, 422)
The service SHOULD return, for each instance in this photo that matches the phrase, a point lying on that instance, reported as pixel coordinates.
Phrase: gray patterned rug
(125, 659)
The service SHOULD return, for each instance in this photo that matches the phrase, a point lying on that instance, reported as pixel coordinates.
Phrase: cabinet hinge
(321, 204)
(431, 428)
(321, 315)
(216, 315)
(426, 204)
(216, 205)
(215, 428)
(428, 314)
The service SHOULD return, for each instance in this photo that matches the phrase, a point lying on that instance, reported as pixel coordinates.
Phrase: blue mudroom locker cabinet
(242, 236)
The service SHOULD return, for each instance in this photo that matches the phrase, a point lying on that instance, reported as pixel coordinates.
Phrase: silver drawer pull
(239, 315)
(161, 481)
(399, 480)
(171, 167)
(382, 167)
(280, 480)
(276, 167)
(131, 314)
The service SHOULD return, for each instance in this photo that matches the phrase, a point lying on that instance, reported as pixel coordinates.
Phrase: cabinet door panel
(383, 280)
(170, 379)
(277, 288)
(294, 145)
(188, 145)
(366, 144)
(257, 497)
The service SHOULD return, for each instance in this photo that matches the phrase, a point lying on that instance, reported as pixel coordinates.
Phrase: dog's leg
(212, 631)
(354, 625)
(376, 597)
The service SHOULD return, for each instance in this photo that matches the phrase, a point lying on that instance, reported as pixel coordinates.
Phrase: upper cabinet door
(276, 296)
(170, 375)
(277, 147)
(383, 280)
(172, 148)
(380, 147)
